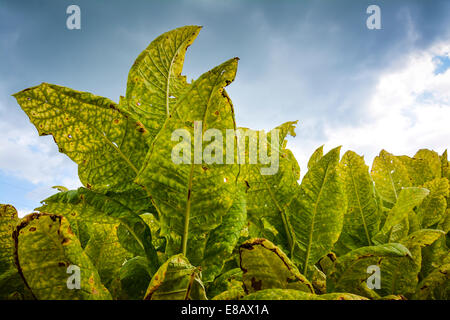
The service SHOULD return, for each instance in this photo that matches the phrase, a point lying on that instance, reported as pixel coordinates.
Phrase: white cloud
(409, 110)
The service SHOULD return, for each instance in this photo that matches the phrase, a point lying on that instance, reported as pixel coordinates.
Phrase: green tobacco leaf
(135, 276)
(408, 198)
(88, 205)
(390, 176)
(350, 272)
(444, 224)
(106, 253)
(136, 199)
(362, 219)
(11, 284)
(155, 82)
(8, 222)
(230, 281)
(436, 285)
(222, 240)
(317, 211)
(423, 167)
(445, 165)
(423, 238)
(315, 157)
(192, 197)
(281, 294)
(108, 146)
(433, 207)
(268, 194)
(265, 266)
(45, 248)
(176, 279)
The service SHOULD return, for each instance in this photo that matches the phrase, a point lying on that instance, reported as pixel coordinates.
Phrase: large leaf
(396, 225)
(230, 282)
(424, 166)
(155, 81)
(268, 194)
(192, 197)
(108, 146)
(362, 219)
(390, 176)
(8, 222)
(350, 271)
(222, 240)
(45, 248)
(176, 279)
(317, 211)
(436, 285)
(445, 165)
(94, 207)
(106, 254)
(315, 157)
(135, 277)
(433, 207)
(11, 284)
(265, 266)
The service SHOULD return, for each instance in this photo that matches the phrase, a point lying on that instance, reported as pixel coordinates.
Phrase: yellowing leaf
(424, 166)
(350, 270)
(268, 194)
(362, 219)
(317, 211)
(108, 146)
(390, 176)
(222, 240)
(193, 197)
(408, 198)
(265, 266)
(176, 279)
(45, 248)
(93, 207)
(155, 81)
(8, 221)
(433, 207)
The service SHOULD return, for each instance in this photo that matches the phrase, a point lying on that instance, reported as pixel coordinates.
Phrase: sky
(311, 61)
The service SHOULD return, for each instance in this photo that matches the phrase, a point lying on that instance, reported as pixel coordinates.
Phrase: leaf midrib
(308, 250)
(360, 207)
(191, 173)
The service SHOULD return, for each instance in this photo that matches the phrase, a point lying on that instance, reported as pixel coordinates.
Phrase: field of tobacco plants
(149, 225)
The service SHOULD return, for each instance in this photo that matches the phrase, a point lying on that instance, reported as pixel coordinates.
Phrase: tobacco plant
(144, 227)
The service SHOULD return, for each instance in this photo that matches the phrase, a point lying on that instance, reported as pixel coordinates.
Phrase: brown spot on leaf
(256, 284)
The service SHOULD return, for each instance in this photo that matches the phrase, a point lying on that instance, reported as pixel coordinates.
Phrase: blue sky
(312, 61)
